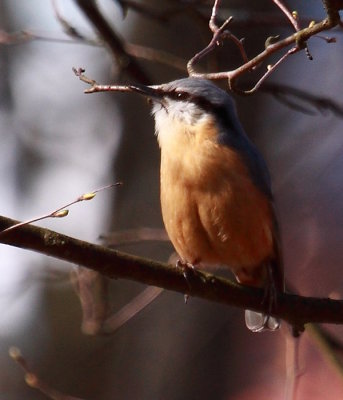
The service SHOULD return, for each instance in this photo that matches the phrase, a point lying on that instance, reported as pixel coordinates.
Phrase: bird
(215, 188)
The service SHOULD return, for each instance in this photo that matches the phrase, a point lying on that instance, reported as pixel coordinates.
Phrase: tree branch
(296, 310)
(288, 14)
(298, 40)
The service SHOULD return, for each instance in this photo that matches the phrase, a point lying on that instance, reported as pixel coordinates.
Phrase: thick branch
(294, 309)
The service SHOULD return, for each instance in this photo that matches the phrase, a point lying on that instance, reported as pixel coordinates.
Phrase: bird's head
(191, 102)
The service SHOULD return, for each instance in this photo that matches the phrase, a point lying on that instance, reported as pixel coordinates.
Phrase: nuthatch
(216, 198)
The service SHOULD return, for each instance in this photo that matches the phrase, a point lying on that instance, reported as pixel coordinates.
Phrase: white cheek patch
(183, 111)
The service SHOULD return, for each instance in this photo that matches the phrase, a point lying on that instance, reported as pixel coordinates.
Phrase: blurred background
(57, 143)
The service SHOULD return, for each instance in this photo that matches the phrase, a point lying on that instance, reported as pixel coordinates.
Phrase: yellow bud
(14, 352)
(60, 214)
(311, 24)
(88, 196)
(31, 380)
(269, 67)
(295, 14)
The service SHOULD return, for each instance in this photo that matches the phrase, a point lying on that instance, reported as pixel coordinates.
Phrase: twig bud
(31, 380)
(271, 40)
(60, 214)
(88, 196)
(14, 352)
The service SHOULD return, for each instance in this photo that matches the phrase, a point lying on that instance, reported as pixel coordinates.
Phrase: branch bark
(296, 310)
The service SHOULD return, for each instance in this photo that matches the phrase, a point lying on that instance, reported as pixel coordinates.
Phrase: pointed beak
(153, 92)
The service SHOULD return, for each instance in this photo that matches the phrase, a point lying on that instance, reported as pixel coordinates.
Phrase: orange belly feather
(212, 211)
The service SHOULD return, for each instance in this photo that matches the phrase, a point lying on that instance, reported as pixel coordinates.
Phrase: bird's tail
(260, 322)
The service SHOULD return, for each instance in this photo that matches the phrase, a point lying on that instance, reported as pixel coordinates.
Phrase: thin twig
(145, 10)
(299, 38)
(33, 380)
(134, 50)
(270, 70)
(289, 15)
(327, 346)
(217, 35)
(61, 211)
(132, 308)
(212, 23)
(293, 371)
(95, 87)
(284, 94)
(67, 27)
(25, 36)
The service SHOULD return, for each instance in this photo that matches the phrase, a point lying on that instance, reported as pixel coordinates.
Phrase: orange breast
(212, 211)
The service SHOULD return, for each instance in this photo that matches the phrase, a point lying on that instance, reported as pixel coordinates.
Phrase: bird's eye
(177, 94)
(181, 95)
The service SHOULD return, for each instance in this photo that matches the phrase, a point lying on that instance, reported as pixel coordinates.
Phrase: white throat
(172, 116)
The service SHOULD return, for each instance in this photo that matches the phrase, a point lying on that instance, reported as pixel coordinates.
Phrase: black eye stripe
(177, 95)
(219, 110)
(200, 101)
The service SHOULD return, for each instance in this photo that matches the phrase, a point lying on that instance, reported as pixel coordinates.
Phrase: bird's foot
(187, 269)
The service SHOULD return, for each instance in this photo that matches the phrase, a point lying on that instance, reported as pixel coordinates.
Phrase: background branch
(34, 381)
(110, 37)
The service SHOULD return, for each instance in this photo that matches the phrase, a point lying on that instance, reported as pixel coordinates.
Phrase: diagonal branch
(293, 20)
(296, 310)
(34, 381)
(113, 41)
(298, 40)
